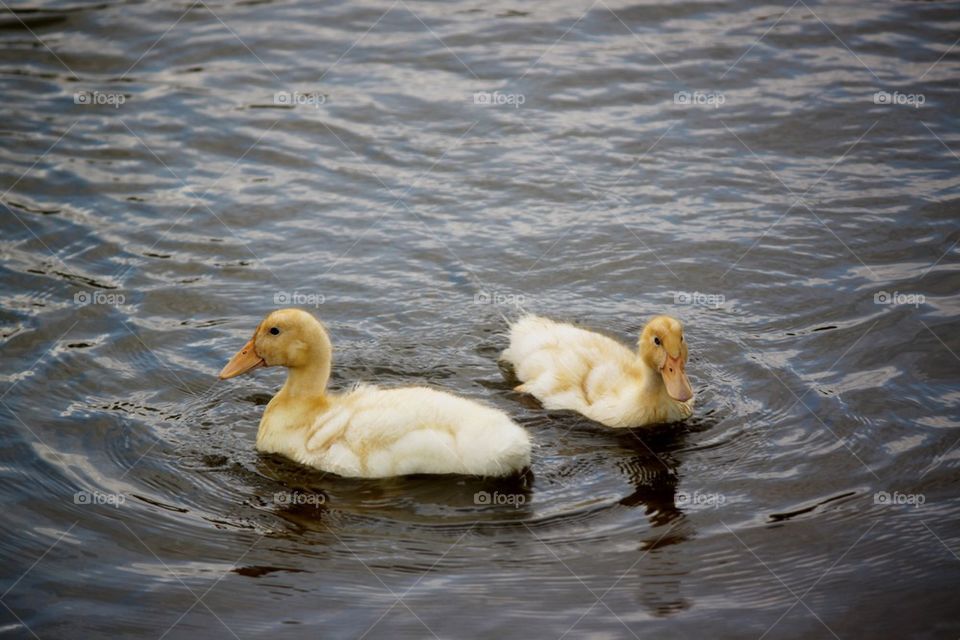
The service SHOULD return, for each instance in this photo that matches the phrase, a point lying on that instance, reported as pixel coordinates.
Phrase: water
(157, 202)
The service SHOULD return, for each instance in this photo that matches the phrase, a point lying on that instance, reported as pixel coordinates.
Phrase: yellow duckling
(369, 432)
(566, 367)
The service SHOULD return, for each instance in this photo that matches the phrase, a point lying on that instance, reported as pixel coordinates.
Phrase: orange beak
(675, 378)
(245, 360)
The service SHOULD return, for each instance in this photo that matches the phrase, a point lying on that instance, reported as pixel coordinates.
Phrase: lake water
(782, 178)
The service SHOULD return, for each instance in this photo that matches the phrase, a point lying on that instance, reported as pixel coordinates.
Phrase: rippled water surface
(415, 173)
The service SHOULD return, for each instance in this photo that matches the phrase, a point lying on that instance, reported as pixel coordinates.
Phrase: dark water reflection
(731, 164)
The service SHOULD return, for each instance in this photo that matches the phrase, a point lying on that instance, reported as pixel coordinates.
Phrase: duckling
(369, 432)
(566, 367)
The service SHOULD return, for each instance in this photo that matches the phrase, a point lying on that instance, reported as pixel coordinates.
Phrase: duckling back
(375, 433)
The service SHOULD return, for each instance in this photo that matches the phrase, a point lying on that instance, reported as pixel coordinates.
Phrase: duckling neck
(306, 382)
(293, 409)
(651, 382)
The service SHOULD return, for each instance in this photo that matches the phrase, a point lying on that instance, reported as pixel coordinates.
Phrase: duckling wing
(388, 432)
(566, 367)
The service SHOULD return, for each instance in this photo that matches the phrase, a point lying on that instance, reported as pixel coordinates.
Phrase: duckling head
(288, 338)
(663, 349)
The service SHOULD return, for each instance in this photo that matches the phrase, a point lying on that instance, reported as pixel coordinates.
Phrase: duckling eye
(274, 331)
(656, 340)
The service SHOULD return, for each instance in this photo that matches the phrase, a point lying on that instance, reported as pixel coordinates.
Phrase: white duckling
(369, 432)
(566, 367)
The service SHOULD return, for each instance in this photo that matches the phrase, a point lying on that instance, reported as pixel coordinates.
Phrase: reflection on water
(782, 179)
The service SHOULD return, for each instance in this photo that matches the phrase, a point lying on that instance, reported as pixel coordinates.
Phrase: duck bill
(245, 360)
(675, 379)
